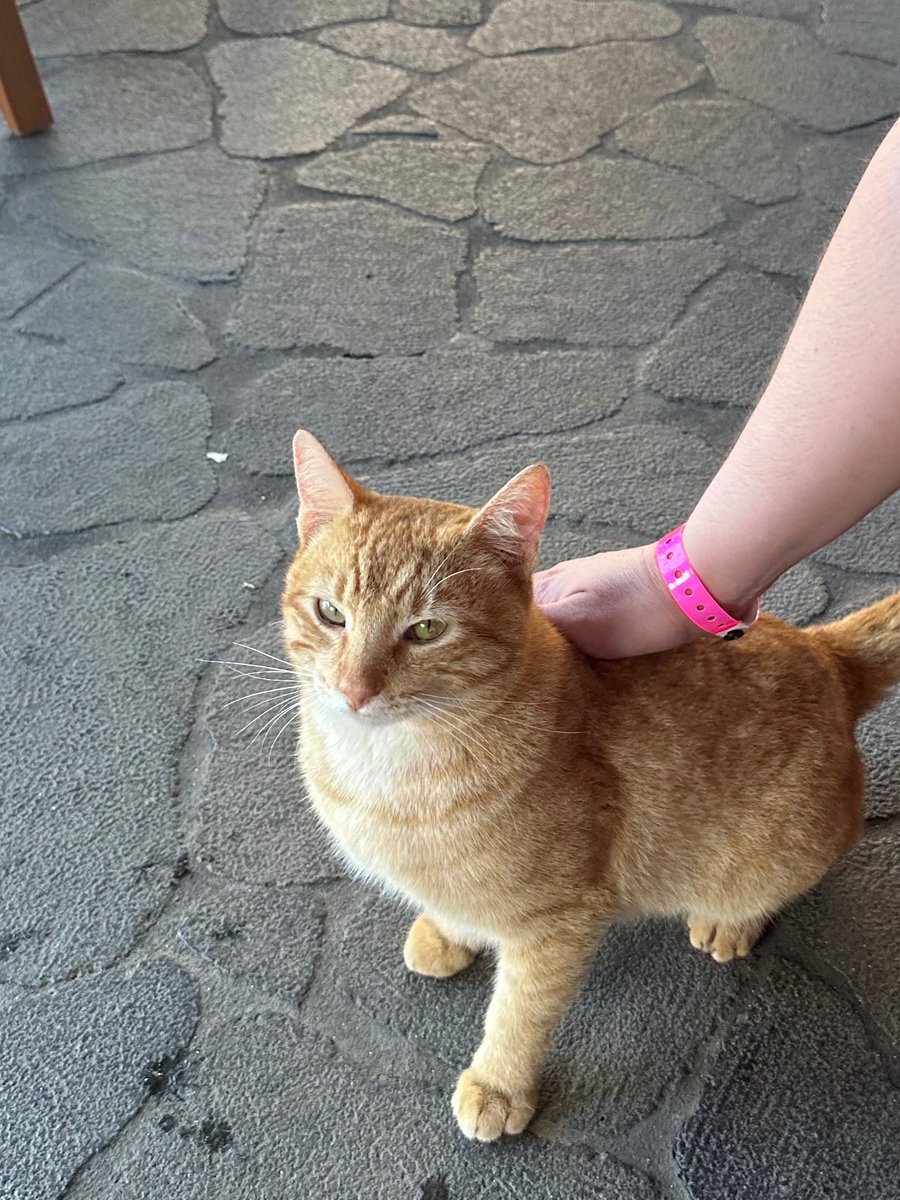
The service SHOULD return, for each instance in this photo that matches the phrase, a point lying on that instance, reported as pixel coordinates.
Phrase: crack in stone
(33, 418)
(23, 308)
(497, 440)
(834, 980)
(151, 1096)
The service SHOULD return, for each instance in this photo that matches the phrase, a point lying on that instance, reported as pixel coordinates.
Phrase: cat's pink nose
(358, 694)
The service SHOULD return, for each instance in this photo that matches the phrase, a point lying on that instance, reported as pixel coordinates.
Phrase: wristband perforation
(690, 593)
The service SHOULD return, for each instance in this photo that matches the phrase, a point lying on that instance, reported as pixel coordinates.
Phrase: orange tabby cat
(461, 752)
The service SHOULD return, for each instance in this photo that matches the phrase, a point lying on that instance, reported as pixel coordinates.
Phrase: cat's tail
(867, 645)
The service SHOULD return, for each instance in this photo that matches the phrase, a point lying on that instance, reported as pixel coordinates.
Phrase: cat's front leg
(536, 979)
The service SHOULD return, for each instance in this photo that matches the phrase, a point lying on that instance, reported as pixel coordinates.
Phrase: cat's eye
(425, 631)
(329, 614)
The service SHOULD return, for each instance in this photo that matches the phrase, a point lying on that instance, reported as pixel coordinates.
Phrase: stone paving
(449, 237)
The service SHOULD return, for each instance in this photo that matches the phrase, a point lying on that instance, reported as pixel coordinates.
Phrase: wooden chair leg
(22, 100)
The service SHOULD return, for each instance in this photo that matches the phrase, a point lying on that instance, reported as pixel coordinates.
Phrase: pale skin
(820, 450)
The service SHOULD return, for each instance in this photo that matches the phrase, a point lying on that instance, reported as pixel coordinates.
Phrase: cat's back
(723, 750)
(711, 684)
(729, 707)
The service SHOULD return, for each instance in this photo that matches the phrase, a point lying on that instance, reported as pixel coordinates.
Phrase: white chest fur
(385, 795)
(373, 762)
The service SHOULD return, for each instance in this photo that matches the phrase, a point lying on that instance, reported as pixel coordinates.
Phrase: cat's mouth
(378, 711)
(381, 709)
(380, 716)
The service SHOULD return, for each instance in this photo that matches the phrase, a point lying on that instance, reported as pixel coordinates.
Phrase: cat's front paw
(484, 1112)
(428, 952)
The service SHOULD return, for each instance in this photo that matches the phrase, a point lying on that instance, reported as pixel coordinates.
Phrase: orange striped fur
(521, 797)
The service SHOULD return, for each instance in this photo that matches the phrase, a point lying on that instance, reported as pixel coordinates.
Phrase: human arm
(820, 450)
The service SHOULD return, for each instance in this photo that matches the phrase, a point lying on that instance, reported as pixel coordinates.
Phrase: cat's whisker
(296, 676)
(441, 565)
(465, 571)
(454, 721)
(437, 717)
(272, 672)
(263, 678)
(291, 719)
(269, 691)
(275, 680)
(493, 777)
(535, 725)
(259, 716)
(477, 738)
(444, 718)
(260, 703)
(483, 717)
(292, 715)
(264, 653)
(288, 687)
(293, 678)
(230, 662)
(420, 710)
(444, 702)
(263, 730)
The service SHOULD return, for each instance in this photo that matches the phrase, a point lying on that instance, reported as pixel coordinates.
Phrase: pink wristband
(689, 593)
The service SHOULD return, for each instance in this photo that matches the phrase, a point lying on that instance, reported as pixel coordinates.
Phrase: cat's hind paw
(484, 1112)
(722, 940)
(428, 952)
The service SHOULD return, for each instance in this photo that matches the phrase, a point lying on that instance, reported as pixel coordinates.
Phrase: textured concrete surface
(115, 25)
(281, 97)
(259, 939)
(28, 268)
(451, 237)
(549, 108)
(863, 26)
(612, 294)
(351, 263)
(121, 315)
(102, 1037)
(558, 204)
(823, 90)
(457, 394)
(287, 16)
(412, 46)
(517, 25)
(741, 149)
(807, 1036)
(831, 167)
(438, 12)
(195, 210)
(103, 645)
(786, 239)
(150, 440)
(742, 314)
(39, 376)
(159, 104)
(433, 179)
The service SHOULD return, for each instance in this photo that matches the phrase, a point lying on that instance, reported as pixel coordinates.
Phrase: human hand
(613, 605)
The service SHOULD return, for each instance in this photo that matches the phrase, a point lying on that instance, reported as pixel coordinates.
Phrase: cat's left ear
(324, 491)
(511, 522)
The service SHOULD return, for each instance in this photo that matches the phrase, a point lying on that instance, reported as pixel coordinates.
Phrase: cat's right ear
(323, 489)
(511, 522)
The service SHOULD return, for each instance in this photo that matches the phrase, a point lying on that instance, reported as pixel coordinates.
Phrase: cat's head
(394, 605)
